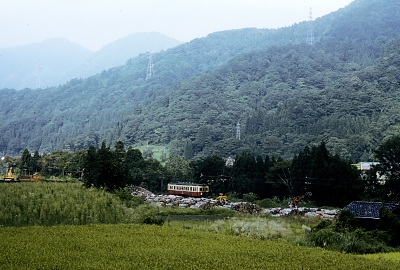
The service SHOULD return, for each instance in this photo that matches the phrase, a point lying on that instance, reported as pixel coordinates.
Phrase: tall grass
(291, 229)
(40, 203)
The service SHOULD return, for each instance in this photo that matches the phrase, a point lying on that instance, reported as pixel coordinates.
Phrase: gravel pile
(243, 207)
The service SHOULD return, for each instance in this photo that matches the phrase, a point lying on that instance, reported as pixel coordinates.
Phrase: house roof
(362, 209)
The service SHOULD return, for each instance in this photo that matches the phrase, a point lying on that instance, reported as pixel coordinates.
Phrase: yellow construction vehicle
(31, 178)
(222, 197)
(8, 177)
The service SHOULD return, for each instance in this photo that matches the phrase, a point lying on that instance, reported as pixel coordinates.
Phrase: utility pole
(310, 31)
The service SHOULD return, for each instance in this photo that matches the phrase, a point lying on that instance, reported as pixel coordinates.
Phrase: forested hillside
(284, 93)
(118, 52)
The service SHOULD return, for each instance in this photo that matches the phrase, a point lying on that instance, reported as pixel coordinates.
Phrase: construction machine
(8, 177)
(222, 197)
(297, 199)
(32, 178)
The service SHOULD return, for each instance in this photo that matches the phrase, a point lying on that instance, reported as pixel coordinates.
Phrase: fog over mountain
(56, 61)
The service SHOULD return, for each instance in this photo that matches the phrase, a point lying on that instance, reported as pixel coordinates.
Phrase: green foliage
(357, 241)
(127, 198)
(41, 203)
(218, 212)
(118, 168)
(331, 179)
(391, 256)
(149, 214)
(179, 169)
(276, 202)
(387, 155)
(347, 234)
(390, 225)
(269, 203)
(250, 197)
(346, 221)
(161, 247)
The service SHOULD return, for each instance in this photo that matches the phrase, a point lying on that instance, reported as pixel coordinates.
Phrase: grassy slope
(42, 203)
(154, 247)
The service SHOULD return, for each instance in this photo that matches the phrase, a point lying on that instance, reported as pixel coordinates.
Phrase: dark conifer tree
(26, 162)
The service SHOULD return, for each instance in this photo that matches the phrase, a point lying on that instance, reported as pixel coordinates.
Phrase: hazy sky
(94, 23)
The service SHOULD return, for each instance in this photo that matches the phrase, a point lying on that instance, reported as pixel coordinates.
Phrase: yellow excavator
(32, 178)
(222, 197)
(8, 177)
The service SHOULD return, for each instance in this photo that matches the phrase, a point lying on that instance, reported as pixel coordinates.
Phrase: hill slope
(285, 93)
(119, 51)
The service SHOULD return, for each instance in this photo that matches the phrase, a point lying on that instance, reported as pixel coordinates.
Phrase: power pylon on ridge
(150, 67)
(238, 131)
(310, 31)
(37, 75)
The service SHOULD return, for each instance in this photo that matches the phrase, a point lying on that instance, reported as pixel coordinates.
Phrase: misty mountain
(56, 61)
(40, 64)
(285, 93)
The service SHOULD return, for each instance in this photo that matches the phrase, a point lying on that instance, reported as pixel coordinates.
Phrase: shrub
(357, 241)
(43, 203)
(347, 235)
(127, 198)
(250, 197)
(269, 203)
(149, 214)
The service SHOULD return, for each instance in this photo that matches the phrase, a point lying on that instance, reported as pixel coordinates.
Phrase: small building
(371, 210)
(365, 166)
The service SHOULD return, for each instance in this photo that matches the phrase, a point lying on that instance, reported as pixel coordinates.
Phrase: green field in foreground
(129, 246)
(392, 256)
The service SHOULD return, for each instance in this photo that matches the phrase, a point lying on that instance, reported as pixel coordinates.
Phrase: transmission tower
(310, 32)
(238, 130)
(37, 74)
(150, 67)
